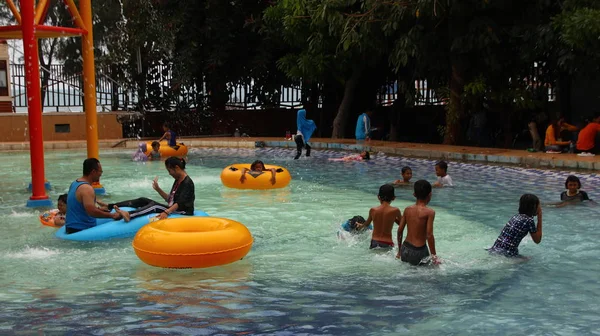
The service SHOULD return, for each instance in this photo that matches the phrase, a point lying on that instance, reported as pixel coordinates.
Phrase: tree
(217, 43)
(578, 29)
(326, 46)
(130, 38)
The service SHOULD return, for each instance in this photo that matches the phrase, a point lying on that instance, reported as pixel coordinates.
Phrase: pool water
(299, 278)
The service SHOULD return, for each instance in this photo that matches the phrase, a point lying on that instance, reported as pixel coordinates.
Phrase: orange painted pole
(40, 11)
(36, 140)
(89, 79)
(14, 10)
(75, 14)
(89, 85)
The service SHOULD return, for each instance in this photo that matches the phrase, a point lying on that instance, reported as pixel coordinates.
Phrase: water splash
(33, 253)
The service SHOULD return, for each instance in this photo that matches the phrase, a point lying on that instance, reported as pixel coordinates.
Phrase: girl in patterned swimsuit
(519, 226)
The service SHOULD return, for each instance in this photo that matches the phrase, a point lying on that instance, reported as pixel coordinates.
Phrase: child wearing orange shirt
(553, 142)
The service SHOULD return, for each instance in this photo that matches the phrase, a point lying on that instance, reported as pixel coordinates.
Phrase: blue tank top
(173, 140)
(77, 217)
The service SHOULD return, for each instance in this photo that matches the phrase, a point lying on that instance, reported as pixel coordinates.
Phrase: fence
(64, 92)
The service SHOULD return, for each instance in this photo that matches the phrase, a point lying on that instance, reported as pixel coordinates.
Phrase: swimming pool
(299, 278)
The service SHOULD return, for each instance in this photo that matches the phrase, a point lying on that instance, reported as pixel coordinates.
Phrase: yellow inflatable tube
(230, 176)
(193, 242)
(165, 150)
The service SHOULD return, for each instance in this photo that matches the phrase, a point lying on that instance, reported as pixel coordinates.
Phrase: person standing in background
(363, 127)
(305, 130)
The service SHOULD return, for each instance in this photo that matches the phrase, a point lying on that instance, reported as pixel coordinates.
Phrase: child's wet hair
(386, 193)
(367, 156)
(174, 161)
(573, 178)
(528, 204)
(356, 219)
(422, 189)
(253, 165)
(155, 143)
(62, 198)
(405, 169)
(443, 165)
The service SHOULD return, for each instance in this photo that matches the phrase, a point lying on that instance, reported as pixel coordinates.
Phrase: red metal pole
(36, 140)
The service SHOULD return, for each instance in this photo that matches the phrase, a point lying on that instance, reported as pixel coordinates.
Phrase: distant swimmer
(441, 171)
(406, 176)
(363, 156)
(573, 194)
(256, 168)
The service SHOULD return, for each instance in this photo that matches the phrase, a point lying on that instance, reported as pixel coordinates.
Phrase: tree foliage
(497, 55)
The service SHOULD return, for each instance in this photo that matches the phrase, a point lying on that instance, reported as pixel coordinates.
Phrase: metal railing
(64, 92)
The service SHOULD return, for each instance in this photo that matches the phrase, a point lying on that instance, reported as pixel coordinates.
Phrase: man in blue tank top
(363, 127)
(81, 200)
(169, 135)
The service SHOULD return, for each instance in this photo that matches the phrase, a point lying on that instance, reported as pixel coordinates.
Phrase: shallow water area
(299, 277)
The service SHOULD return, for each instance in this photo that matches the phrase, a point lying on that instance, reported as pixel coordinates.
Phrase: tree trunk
(563, 95)
(455, 108)
(405, 88)
(45, 75)
(218, 95)
(332, 94)
(341, 119)
(141, 79)
(114, 100)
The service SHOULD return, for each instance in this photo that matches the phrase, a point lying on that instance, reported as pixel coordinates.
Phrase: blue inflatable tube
(107, 228)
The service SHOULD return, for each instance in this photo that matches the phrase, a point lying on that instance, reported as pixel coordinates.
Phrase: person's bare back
(416, 218)
(384, 217)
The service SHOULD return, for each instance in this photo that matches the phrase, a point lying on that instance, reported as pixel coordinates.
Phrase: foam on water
(15, 214)
(33, 253)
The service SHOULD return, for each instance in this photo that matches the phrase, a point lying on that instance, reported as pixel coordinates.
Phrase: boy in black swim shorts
(419, 220)
(383, 217)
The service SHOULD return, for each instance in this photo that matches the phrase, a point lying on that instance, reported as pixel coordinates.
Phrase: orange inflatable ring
(47, 218)
(180, 150)
(193, 242)
(230, 176)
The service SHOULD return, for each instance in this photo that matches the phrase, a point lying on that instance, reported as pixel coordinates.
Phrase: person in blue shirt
(306, 128)
(81, 200)
(169, 135)
(363, 127)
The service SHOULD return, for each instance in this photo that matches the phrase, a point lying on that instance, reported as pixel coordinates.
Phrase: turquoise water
(299, 278)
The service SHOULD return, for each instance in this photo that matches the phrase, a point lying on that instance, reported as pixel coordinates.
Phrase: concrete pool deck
(417, 150)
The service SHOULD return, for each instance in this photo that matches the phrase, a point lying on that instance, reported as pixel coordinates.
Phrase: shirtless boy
(383, 218)
(419, 220)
